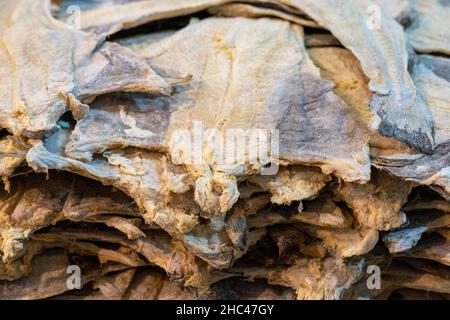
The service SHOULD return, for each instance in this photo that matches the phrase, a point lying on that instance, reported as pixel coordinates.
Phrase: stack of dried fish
(114, 116)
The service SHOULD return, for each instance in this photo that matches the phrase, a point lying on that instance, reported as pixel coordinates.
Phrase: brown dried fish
(334, 143)
(49, 277)
(168, 117)
(112, 16)
(344, 243)
(320, 40)
(341, 67)
(321, 212)
(158, 248)
(432, 170)
(406, 238)
(13, 151)
(114, 68)
(231, 289)
(35, 203)
(12, 268)
(437, 250)
(151, 284)
(294, 183)
(140, 173)
(114, 286)
(288, 119)
(376, 204)
(46, 62)
(403, 276)
(252, 11)
(312, 279)
(381, 49)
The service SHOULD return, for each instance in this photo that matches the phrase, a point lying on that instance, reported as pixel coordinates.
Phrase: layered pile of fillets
(99, 101)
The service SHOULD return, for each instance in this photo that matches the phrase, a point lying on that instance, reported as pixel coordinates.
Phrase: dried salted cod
(120, 120)
(292, 109)
(138, 42)
(406, 238)
(151, 284)
(104, 17)
(42, 68)
(114, 286)
(20, 265)
(220, 100)
(344, 243)
(291, 241)
(438, 250)
(404, 276)
(321, 212)
(157, 247)
(119, 254)
(377, 203)
(421, 204)
(26, 209)
(35, 203)
(236, 220)
(111, 16)
(429, 31)
(312, 279)
(115, 68)
(159, 188)
(444, 232)
(432, 170)
(109, 287)
(252, 11)
(93, 203)
(341, 67)
(287, 239)
(380, 257)
(127, 227)
(247, 190)
(380, 46)
(387, 153)
(426, 265)
(49, 276)
(321, 40)
(35, 80)
(108, 17)
(295, 183)
(436, 90)
(13, 151)
(400, 276)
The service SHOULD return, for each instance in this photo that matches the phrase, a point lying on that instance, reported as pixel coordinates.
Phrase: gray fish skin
(382, 50)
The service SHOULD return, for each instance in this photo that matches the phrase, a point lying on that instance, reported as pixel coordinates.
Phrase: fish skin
(382, 52)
